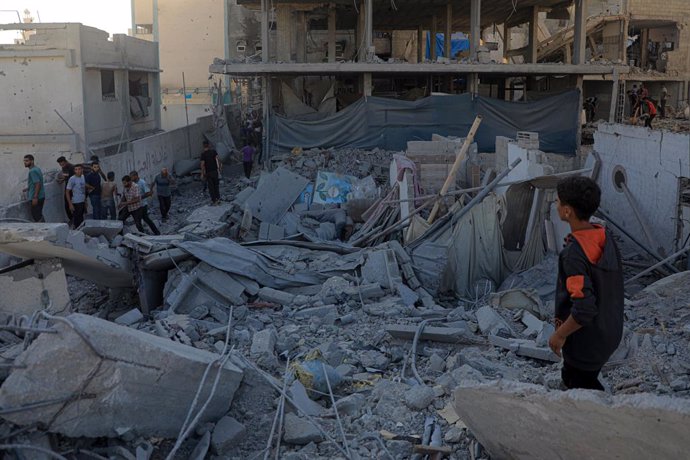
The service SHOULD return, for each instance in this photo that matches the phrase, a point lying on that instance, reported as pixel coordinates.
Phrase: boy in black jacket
(589, 291)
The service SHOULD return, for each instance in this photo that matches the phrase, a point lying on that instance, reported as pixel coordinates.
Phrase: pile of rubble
(258, 330)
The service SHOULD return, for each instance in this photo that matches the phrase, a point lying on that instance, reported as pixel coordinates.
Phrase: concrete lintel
(116, 66)
(413, 68)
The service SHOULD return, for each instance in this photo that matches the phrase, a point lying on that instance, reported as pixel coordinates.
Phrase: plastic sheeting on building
(458, 43)
(389, 123)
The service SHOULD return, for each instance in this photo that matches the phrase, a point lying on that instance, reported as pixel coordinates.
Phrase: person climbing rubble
(589, 290)
(131, 204)
(145, 193)
(210, 171)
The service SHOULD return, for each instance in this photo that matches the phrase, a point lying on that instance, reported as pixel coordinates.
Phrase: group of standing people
(84, 181)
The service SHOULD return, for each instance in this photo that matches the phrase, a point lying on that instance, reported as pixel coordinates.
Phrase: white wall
(653, 161)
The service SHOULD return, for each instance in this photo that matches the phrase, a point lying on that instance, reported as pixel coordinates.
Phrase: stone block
(129, 318)
(263, 343)
(275, 296)
(122, 374)
(275, 194)
(108, 228)
(419, 397)
(227, 433)
(491, 323)
(270, 232)
(205, 284)
(507, 417)
(299, 431)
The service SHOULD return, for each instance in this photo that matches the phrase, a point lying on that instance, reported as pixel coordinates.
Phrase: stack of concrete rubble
(256, 330)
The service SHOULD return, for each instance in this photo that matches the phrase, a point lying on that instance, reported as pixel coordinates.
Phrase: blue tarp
(458, 42)
(389, 123)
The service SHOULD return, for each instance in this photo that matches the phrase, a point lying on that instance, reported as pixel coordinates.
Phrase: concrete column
(623, 41)
(331, 32)
(369, 26)
(421, 44)
(614, 96)
(366, 84)
(449, 31)
(644, 51)
(266, 131)
(283, 33)
(475, 27)
(580, 39)
(361, 33)
(506, 41)
(473, 83)
(434, 21)
(301, 35)
(532, 48)
(264, 31)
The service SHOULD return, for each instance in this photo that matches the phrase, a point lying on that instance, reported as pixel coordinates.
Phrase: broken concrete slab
(81, 256)
(271, 232)
(275, 194)
(227, 433)
(527, 348)
(210, 214)
(202, 285)
(108, 228)
(491, 323)
(302, 401)
(206, 229)
(118, 369)
(241, 197)
(507, 417)
(31, 286)
(276, 296)
(165, 259)
(263, 344)
(382, 267)
(534, 324)
(526, 299)
(435, 334)
(131, 317)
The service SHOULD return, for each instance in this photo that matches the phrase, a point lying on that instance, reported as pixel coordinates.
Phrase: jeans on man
(78, 214)
(213, 185)
(247, 168)
(95, 206)
(165, 203)
(108, 209)
(37, 210)
(145, 217)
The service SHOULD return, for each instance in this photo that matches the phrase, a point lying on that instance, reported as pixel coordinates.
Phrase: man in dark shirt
(210, 170)
(589, 291)
(93, 188)
(63, 178)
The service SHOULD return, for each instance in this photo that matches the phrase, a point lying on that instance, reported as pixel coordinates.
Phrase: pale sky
(113, 16)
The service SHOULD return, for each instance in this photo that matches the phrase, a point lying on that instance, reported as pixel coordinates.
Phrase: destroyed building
(382, 284)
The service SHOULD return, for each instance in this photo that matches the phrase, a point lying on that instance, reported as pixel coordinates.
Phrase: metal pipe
(659, 264)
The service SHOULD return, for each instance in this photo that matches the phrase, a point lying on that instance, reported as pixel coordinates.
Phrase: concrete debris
(646, 426)
(210, 213)
(108, 228)
(80, 255)
(419, 397)
(227, 433)
(281, 277)
(300, 431)
(31, 286)
(105, 371)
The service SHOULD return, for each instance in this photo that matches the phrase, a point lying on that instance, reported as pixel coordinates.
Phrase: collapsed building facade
(383, 285)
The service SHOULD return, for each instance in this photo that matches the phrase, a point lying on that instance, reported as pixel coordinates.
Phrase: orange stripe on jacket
(575, 284)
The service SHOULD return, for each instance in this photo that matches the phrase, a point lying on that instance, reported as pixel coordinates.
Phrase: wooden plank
(435, 334)
(430, 450)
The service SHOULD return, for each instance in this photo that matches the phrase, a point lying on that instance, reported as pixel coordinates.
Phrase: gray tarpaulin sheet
(226, 255)
(455, 256)
(389, 123)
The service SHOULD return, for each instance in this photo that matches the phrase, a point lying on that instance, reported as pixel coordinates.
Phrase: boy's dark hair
(580, 193)
(29, 157)
(126, 179)
(61, 159)
(205, 143)
(111, 175)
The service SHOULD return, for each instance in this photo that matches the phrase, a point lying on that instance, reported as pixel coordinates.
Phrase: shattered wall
(652, 164)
